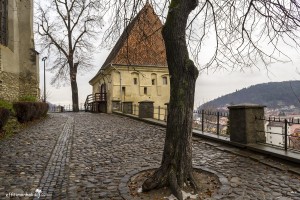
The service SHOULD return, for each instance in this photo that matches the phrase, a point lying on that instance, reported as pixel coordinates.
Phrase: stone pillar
(127, 107)
(146, 109)
(243, 127)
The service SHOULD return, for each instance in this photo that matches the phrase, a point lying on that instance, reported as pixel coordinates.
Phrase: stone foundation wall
(12, 86)
(28, 84)
(9, 86)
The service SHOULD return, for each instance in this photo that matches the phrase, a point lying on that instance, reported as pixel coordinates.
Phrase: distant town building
(136, 68)
(19, 69)
(294, 138)
(275, 134)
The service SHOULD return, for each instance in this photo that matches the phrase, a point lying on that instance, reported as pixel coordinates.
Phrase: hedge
(28, 111)
(4, 115)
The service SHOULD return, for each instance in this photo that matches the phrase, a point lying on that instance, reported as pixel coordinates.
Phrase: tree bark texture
(74, 88)
(176, 166)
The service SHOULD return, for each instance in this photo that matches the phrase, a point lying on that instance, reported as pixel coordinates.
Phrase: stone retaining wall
(9, 86)
(28, 85)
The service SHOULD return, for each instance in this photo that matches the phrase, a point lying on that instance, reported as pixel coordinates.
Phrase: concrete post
(127, 107)
(146, 109)
(243, 127)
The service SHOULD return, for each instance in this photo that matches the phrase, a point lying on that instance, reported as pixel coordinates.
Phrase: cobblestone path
(84, 156)
(54, 180)
(24, 157)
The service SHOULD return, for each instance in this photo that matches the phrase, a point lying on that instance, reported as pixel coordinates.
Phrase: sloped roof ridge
(124, 36)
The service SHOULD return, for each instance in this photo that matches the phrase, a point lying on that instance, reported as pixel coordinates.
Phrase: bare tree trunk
(176, 167)
(74, 88)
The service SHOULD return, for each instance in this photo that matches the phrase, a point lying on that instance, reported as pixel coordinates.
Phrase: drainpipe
(120, 84)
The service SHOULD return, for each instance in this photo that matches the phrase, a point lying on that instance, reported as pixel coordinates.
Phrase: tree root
(157, 180)
(163, 178)
(193, 182)
(175, 189)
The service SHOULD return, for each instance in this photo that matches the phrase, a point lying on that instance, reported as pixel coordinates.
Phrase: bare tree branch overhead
(242, 34)
(68, 30)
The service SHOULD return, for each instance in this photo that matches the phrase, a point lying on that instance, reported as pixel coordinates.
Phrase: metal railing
(92, 98)
(282, 132)
(215, 122)
(206, 121)
(65, 108)
(158, 112)
(95, 97)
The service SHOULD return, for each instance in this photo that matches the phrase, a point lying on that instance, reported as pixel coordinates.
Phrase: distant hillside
(272, 95)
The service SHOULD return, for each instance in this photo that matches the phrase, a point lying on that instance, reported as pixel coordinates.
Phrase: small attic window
(145, 90)
(135, 81)
(153, 81)
(165, 80)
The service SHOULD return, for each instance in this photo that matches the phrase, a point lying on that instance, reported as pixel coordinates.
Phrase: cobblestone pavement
(84, 156)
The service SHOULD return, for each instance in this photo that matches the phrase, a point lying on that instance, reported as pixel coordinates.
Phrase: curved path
(84, 156)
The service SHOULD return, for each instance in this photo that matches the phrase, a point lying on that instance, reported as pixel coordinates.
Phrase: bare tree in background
(243, 33)
(68, 29)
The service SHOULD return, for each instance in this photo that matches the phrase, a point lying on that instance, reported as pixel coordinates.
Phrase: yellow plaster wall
(17, 57)
(158, 93)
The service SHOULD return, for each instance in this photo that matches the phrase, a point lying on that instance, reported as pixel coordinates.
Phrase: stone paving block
(83, 155)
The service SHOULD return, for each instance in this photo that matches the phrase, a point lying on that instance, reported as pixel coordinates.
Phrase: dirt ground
(207, 182)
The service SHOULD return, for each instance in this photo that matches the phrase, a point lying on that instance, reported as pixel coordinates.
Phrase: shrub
(4, 115)
(28, 111)
(28, 98)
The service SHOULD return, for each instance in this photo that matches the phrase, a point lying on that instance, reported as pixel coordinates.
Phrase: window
(165, 80)
(153, 81)
(123, 91)
(135, 82)
(3, 22)
(145, 90)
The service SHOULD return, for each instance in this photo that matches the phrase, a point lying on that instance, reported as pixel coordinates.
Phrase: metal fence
(158, 112)
(282, 132)
(206, 121)
(212, 122)
(64, 108)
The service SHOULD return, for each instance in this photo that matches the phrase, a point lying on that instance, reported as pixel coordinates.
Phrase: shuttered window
(3, 22)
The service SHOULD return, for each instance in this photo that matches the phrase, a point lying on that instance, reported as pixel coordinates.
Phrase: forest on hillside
(272, 95)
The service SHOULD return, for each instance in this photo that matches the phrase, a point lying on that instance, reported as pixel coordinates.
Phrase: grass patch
(12, 126)
(6, 104)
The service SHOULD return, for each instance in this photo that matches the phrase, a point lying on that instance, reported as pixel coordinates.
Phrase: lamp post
(44, 59)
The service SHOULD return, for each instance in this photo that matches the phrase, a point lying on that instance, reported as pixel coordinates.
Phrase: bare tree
(68, 29)
(243, 33)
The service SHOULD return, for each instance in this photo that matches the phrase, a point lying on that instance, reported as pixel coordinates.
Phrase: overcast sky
(210, 84)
